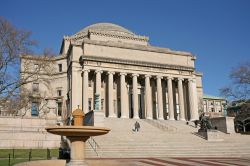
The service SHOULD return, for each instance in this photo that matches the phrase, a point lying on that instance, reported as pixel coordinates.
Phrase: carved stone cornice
(119, 35)
(136, 63)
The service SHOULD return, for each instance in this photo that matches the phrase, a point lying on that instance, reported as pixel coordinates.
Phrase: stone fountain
(78, 135)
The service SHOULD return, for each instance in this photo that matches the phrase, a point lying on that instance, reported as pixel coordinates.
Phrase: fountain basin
(78, 131)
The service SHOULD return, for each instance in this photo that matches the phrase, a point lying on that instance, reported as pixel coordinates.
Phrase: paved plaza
(169, 161)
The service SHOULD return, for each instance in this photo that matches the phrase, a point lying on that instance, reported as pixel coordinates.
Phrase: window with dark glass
(34, 109)
(59, 92)
(102, 103)
(35, 87)
(89, 103)
(59, 109)
(90, 83)
(60, 67)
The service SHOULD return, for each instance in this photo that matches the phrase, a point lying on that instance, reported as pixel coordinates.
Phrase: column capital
(149, 76)
(170, 78)
(98, 71)
(159, 77)
(123, 73)
(85, 70)
(180, 79)
(191, 80)
(111, 72)
(135, 75)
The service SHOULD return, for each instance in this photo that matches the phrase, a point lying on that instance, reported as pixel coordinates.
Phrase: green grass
(22, 155)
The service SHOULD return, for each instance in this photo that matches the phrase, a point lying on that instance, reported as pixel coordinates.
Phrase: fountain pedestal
(77, 152)
(78, 135)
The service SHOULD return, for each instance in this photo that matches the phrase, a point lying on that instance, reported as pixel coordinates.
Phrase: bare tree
(15, 44)
(240, 87)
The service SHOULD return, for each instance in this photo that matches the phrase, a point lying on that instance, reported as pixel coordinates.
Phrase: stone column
(98, 86)
(193, 100)
(181, 99)
(170, 99)
(135, 96)
(85, 91)
(123, 96)
(159, 98)
(110, 95)
(207, 104)
(148, 97)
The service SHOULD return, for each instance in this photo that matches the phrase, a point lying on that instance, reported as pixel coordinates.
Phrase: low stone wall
(27, 133)
(210, 135)
(224, 124)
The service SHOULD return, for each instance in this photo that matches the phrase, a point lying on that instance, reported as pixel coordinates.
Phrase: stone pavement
(211, 161)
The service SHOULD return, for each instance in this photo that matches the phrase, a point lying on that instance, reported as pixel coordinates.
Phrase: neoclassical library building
(120, 70)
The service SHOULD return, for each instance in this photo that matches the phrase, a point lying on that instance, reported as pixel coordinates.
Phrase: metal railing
(94, 145)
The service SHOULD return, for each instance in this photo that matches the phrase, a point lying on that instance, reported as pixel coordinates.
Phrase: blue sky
(216, 31)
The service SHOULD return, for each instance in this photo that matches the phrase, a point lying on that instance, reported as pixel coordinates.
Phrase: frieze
(137, 63)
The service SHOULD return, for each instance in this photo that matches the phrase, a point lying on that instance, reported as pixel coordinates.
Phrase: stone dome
(107, 27)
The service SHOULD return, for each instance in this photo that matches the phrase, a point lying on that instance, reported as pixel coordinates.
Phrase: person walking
(137, 126)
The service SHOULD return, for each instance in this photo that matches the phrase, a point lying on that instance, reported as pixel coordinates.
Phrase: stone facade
(132, 78)
(214, 106)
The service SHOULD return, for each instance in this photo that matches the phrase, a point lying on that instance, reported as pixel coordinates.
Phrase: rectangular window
(102, 84)
(102, 103)
(36, 67)
(60, 67)
(59, 109)
(59, 92)
(90, 83)
(34, 109)
(35, 87)
(89, 104)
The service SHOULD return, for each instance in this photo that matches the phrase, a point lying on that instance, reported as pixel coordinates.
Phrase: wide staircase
(162, 139)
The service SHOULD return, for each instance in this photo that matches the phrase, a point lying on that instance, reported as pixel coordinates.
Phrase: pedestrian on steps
(137, 126)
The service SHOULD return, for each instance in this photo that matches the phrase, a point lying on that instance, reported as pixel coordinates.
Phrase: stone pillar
(170, 99)
(148, 98)
(181, 99)
(85, 90)
(193, 100)
(98, 86)
(207, 104)
(135, 96)
(123, 95)
(110, 95)
(159, 98)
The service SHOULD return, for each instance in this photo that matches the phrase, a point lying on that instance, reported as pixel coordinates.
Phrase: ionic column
(98, 86)
(170, 99)
(110, 95)
(123, 96)
(85, 91)
(181, 99)
(148, 97)
(159, 98)
(193, 100)
(135, 96)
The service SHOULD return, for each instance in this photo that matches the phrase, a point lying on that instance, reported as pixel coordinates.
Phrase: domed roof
(108, 27)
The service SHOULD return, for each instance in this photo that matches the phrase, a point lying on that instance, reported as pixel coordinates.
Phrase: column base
(136, 117)
(77, 163)
(171, 119)
(149, 118)
(191, 120)
(123, 117)
(161, 118)
(112, 116)
(182, 119)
